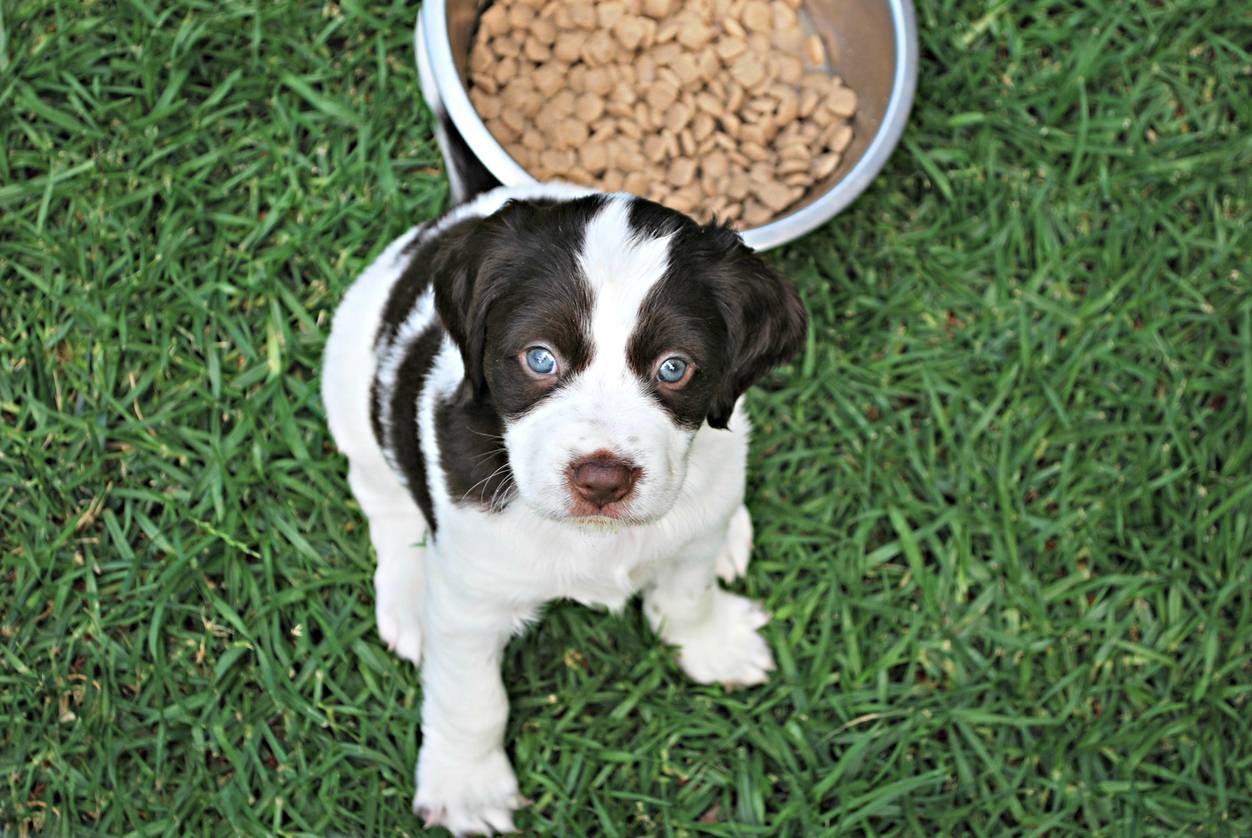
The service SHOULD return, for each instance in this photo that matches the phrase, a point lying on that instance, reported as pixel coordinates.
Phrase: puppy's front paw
(732, 562)
(726, 647)
(398, 598)
(466, 797)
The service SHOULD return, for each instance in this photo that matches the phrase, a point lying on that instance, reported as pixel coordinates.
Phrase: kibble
(721, 108)
(814, 51)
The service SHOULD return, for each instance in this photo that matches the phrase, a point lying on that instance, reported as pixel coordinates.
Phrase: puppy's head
(605, 332)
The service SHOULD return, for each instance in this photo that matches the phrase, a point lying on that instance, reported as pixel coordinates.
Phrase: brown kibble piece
(794, 165)
(686, 69)
(484, 83)
(671, 143)
(731, 48)
(785, 17)
(569, 45)
(840, 137)
(694, 34)
(654, 148)
(686, 199)
(794, 150)
(761, 172)
(748, 70)
(593, 158)
(513, 119)
(495, 21)
(599, 48)
(558, 160)
(632, 160)
(608, 12)
(562, 104)
(598, 80)
(715, 165)
(501, 132)
(788, 41)
(583, 16)
(637, 183)
(519, 16)
(814, 51)
(630, 31)
(756, 16)
(488, 106)
(842, 101)
(708, 103)
(790, 69)
(506, 47)
(621, 93)
(611, 181)
(481, 61)
(752, 151)
(702, 126)
(808, 103)
(666, 32)
(535, 50)
(681, 172)
(755, 213)
(548, 79)
(825, 165)
(533, 140)
(658, 8)
(543, 30)
(505, 70)
(753, 132)
(588, 108)
(687, 142)
(677, 116)
(788, 110)
(661, 94)
(666, 53)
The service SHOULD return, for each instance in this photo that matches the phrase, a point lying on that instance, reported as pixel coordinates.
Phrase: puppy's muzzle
(599, 480)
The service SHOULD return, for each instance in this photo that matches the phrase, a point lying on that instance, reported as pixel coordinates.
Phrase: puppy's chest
(536, 562)
(608, 578)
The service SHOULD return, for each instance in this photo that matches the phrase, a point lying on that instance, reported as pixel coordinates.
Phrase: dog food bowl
(874, 49)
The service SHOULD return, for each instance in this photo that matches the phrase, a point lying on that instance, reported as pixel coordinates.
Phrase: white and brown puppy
(538, 396)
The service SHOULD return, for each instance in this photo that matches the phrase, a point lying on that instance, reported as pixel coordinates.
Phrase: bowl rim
(434, 50)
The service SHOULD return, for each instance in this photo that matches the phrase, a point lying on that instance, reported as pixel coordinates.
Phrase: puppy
(539, 397)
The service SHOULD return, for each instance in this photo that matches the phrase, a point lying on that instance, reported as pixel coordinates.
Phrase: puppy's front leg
(464, 780)
(715, 631)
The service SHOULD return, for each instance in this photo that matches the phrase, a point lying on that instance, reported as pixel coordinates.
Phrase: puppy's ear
(476, 260)
(461, 267)
(765, 320)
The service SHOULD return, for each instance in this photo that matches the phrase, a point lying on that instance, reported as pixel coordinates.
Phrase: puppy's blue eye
(540, 360)
(672, 370)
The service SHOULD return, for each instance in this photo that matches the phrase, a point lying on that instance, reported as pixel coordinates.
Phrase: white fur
(397, 527)
(489, 573)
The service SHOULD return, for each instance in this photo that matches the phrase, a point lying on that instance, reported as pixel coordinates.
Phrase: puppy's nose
(602, 478)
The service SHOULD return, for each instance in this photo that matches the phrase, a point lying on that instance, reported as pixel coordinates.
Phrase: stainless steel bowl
(873, 46)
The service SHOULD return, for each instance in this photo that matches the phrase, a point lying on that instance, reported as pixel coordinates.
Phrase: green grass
(1003, 502)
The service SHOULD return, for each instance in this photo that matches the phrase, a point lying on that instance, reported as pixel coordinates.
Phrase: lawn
(1003, 502)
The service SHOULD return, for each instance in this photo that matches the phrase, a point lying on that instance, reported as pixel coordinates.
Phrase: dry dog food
(713, 107)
